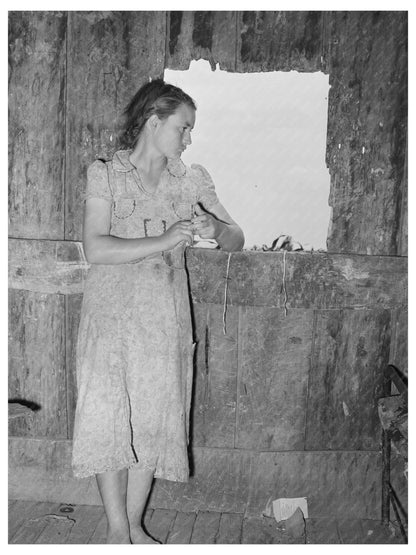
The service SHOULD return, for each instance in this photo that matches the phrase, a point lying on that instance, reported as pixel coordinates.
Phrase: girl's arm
(102, 248)
(217, 224)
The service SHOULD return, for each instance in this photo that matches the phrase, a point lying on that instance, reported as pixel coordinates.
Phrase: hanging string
(284, 282)
(224, 313)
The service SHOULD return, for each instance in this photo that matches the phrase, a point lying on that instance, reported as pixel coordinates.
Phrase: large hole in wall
(262, 137)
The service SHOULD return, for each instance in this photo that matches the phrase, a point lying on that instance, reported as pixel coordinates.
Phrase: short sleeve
(206, 194)
(97, 182)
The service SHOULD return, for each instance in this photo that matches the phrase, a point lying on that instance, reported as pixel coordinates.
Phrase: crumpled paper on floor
(291, 512)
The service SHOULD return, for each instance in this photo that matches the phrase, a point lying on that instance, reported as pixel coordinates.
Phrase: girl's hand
(205, 225)
(178, 232)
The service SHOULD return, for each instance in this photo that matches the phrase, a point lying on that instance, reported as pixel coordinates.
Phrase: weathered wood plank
(320, 280)
(110, 55)
(279, 41)
(220, 482)
(230, 529)
(99, 535)
(351, 349)
(399, 480)
(86, 519)
(272, 396)
(209, 35)
(73, 313)
(160, 523)
(37, 51)
(322, 531)
(37, 362)
(375, 532)
(205, 527)
(350, 530)
(57, 530)
(19, 511)
(335, 483)
(215, 381)
(403, 234)
(399, 339)
(261, 530)
(181, 531)
(367, 129)
(11, 503)
(47, 266)
(41, 469)
(33, 522)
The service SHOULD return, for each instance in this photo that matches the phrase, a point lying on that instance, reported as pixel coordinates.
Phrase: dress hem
(81, 473)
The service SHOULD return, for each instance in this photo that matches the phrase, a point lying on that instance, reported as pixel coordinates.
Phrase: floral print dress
(135, 350)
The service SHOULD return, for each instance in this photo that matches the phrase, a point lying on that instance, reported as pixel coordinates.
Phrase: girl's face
(173, 134)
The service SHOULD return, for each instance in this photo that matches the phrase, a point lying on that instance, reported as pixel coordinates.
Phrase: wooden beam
(37, 83)
(47, 266)
(208, 35)
(312, 280)
(367, 132)
(110, 55)
(279, 41)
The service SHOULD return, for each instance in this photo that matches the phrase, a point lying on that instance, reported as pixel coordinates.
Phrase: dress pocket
(124, 207)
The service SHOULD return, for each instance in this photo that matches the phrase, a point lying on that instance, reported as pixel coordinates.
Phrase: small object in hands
(295, 525)
(175, 258)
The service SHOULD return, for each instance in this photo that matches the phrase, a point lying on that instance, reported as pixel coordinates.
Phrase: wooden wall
(285, 401)
(279, 396)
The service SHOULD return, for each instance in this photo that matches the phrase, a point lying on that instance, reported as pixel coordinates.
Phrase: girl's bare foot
(117, 536)
(138, 535)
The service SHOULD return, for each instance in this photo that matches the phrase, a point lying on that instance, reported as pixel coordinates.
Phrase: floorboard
(377, 533)
(182, 528)
(206, 527)
(160, 523)
(29, 520)
(32, 522)
(262, 530)
(231, 525)
(86, 521)
(350, 530)
(57, 529)
(322, 531)
(100, 533)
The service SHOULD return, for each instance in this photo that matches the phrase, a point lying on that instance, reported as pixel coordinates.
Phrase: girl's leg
(138, 489)
(113, 491)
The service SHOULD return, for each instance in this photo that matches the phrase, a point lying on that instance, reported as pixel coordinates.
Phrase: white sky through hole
(262, 137)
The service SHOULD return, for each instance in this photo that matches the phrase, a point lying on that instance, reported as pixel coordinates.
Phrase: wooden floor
(53, 523)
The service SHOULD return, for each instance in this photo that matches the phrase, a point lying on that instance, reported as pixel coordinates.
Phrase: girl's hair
(156, 97)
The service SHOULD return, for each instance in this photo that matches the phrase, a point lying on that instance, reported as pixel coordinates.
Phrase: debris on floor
(295, 524)
(289, 513)
(284, 508)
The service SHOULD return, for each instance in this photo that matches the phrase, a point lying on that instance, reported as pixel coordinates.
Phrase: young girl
(135, 351)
